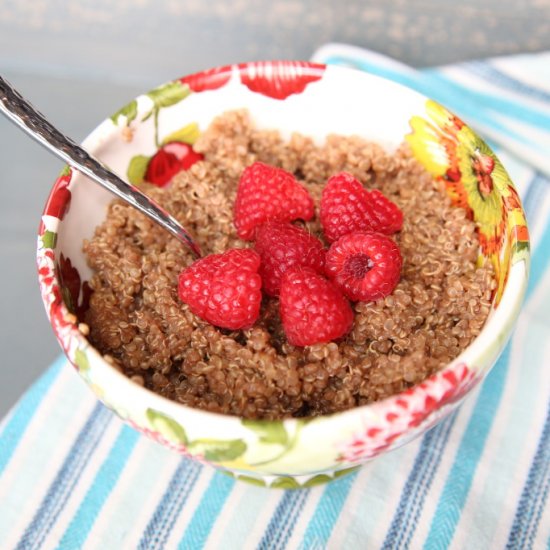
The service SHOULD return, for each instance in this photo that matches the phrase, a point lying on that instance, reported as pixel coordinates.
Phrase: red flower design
(71, 281)
(169, 160)
(403, 416)
(59, 199)
(280, 79)
(208, 80)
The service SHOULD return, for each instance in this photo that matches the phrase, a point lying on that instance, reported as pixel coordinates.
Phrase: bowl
(314, 100)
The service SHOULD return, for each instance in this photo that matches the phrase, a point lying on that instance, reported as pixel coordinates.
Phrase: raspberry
(312, 309)
(282, 246)
(346, 206)
(365, 265)
(268, 193)
(224, 289)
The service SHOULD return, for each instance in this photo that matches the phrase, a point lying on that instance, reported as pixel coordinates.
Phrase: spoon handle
(31, 121)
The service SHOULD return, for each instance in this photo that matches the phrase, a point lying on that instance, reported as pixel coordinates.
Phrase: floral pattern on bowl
(477, 182)
(154, 134)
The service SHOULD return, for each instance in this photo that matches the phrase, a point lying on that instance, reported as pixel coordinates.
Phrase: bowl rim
(97, 136)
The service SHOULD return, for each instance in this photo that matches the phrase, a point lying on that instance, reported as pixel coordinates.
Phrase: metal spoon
(24, 115)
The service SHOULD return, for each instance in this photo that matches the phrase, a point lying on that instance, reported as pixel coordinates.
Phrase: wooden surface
(80, 61)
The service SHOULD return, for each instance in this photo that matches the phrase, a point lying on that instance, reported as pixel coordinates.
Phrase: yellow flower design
(484, 180)
(476, 181)
(237, 464)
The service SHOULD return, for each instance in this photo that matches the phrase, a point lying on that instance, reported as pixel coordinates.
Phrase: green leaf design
(66, 171)
(49, 239)
(345, 471)
(148, 115)
(81, 360)
(218, 450)
(319, 479)
(272, 432)
(520, 250)
(166, 426)
(169, 94)
(137, 168)
(128, 111)
(285, 482)
(188, 134)
(252, 480)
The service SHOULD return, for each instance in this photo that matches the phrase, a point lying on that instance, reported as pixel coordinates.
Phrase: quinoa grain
(137, 320)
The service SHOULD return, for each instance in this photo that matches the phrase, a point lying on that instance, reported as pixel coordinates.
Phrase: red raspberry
(224, 289)
(312, 309)
(346, 206)
(268, 193)
(365, 265)
(282, 246)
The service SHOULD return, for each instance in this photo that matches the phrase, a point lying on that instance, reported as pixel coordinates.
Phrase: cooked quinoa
(136, 317)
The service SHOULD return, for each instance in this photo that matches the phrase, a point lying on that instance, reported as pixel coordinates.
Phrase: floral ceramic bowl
(152, 137)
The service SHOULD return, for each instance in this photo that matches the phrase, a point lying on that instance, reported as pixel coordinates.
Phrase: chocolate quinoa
(138, 322)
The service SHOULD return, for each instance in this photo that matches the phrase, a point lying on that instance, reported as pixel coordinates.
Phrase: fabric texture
(72, 475)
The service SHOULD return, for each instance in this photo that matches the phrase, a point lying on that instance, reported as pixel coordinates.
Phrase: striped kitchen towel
(507, 100)
(73, 476)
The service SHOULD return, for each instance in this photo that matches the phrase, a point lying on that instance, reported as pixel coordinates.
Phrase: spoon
(23, 114)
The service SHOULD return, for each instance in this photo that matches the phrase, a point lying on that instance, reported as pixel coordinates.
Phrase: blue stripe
(458, 483)
(542, 501)
(327, 512)
(417, 485)
(534, 196)
(24, 411)
(540, 259)
(495, 76)
(207, 512)
(243, 512)
(443, 91)
(181, 484)
(67, 477)
(459, 480)
(104, 482)
(283, 519)
(499, 104)
(291, 523)
(471, 447)
(534, 495)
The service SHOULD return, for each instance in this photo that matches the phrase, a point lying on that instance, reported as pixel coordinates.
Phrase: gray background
(80, 61)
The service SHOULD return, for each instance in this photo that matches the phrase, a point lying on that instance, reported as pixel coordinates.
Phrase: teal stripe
(378, 480)
(327, 512)
(24, 411)
(432, 83)
(493, 492)
(533, 198)
(499, 104)
(245, 509)
(540, 259)
(459, 479)
(444, 92)
(495, 76)
(151, 464)
(207, 512)
(101, 487)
